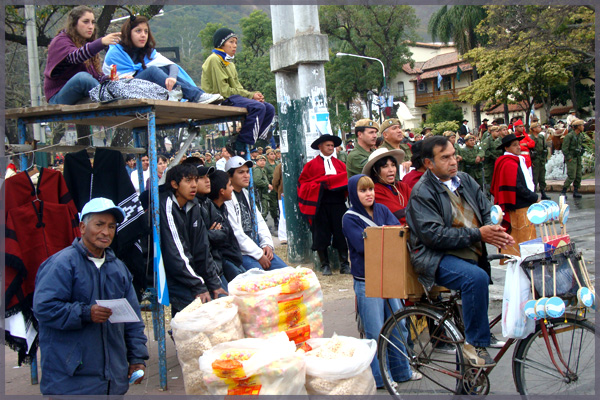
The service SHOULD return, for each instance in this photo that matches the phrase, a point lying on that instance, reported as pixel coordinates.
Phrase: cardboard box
(548, 246)
(388, 271)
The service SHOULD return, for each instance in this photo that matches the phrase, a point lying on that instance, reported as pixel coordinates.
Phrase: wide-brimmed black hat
(508, 139)
(326, 138)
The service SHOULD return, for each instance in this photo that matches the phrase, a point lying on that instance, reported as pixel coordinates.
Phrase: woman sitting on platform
(136, 57)
(73, 67)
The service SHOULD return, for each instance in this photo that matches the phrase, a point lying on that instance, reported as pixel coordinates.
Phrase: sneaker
(477, 356)
(495, 343)
(416, 376)
(326, 270)
(444, 348)
(209, 98)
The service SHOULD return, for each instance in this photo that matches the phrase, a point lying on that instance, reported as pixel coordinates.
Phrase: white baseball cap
(236, 162)
(101, 205)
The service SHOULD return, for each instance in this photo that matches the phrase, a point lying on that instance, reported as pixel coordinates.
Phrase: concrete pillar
(297, 57)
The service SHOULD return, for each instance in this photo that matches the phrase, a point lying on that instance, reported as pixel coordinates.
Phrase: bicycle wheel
(534, 372)
(418, 330)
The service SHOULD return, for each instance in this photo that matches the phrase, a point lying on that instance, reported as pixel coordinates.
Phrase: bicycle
(558, 357)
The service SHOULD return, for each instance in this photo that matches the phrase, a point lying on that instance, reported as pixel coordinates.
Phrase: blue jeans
(160, 75)
(472, 281)
(76, 88)
(374, 312)
(230, 270)
(249, 262)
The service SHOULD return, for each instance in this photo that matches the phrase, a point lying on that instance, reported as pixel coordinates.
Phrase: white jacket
(247, 245)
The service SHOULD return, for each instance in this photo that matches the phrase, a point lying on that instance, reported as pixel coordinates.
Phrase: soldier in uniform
(452, 139)
(262, 185)
(341, 154)
(472, 158)
(572, 149)
(491, 152)
(393, 138)
(366, 134)
(539, 156)
(208, 160)
(272, 196)
(254, 155)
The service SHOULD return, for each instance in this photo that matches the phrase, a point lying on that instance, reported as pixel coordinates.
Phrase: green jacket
(356, 161)
(218, 78)
(490, 150)
(261, 182)
(540, 149)
(342, 156)
(403, 146)
(572, 144)
(469, 155)
(270, 170)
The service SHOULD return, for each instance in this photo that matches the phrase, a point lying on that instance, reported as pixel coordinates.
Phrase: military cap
(261, 157)
(389, 122)
(469, 137)
(449, 133)
(577, 122)
(366, 123)
(269, 151)
(493, 128)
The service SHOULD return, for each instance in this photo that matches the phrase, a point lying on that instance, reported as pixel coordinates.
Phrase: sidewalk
(587, 186)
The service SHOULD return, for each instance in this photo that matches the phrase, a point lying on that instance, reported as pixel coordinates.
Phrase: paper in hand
(121, 310)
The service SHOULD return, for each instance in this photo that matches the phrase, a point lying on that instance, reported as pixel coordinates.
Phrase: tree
(444, 110)
(377, 31)
(458, 24)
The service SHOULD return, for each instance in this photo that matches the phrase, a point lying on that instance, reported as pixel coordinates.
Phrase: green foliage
(444, 110)
(343, 119)
(206, 37)
(441, 127)
(457, 24)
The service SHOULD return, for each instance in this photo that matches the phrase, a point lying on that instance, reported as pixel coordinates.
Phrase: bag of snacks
(340, 366)
(285, 300)
(254, 366)
(199, 327)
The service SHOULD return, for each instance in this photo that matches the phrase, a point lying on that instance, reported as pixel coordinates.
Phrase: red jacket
(526, 144)
(395, 198)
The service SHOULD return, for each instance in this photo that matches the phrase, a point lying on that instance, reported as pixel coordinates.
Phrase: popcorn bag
(340, 366)
(254, 366)
(285, 300)
(199, 327)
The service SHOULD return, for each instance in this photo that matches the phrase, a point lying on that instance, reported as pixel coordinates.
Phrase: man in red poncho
(512, 188)
(322, 191)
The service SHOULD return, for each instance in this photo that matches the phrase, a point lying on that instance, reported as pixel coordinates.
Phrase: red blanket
(504, 183)
(313, 181)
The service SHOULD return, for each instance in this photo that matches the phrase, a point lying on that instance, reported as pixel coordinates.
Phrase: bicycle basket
(566, 283)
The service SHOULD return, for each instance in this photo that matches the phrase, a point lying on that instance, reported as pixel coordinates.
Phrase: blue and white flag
(439, 83)
(159, 271)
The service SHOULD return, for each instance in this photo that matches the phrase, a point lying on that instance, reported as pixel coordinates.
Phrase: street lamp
(370, 103)
(385, 92)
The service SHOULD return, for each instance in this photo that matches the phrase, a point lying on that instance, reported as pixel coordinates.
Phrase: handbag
(128, 89)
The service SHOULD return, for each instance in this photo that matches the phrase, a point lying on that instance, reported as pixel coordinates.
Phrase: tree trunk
(548, 105)
(83, 135)
(572, 82)
(506, 116)
(477, 106)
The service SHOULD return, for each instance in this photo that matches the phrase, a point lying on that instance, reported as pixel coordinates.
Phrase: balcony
(423, 99)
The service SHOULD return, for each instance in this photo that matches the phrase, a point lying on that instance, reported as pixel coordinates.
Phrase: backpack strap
(365, 219)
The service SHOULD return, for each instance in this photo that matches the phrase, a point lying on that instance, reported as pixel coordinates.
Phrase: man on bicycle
(449, 220)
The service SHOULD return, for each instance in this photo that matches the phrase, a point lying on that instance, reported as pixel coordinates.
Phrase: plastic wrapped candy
(254, 367)
(340, 366)
(285, 300)
(198, 328)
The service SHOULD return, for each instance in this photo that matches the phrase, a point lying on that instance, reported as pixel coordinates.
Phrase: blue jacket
(80, 357)
(353, 227)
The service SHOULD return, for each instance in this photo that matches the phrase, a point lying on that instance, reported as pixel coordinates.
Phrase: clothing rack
(144, 116)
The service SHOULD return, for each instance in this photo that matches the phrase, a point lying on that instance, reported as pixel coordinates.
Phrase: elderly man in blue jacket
(83, 353)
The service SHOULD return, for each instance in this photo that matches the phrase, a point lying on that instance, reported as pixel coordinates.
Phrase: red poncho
(313, 181)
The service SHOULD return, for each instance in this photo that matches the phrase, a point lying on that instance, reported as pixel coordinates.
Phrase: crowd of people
(211, 231)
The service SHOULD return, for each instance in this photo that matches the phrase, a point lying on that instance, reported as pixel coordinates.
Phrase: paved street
(339, 318)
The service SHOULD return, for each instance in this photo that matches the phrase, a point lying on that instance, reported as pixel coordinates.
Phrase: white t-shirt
(135, 180)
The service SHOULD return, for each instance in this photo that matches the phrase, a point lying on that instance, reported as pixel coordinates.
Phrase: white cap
(236, 162)
(101, 205)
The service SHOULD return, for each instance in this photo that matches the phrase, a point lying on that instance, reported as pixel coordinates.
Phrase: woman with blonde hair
(73, 66)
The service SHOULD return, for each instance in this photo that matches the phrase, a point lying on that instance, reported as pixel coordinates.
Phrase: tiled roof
(445, 64)
(415, 70)
(560, 110)
(444, 71)
(499, 109)
(441, 60)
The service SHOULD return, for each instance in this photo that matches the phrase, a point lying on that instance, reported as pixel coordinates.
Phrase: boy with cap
(250, 229)
(82, 354)
(220, 75)
(366, 134)
(189, 266)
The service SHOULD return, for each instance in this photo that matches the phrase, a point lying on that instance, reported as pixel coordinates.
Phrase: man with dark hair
(145, 173)
(226, 153)
(250, 229)
(449, 220)
(189, 267)
(413, 176)
(366, 134)
(130, 163)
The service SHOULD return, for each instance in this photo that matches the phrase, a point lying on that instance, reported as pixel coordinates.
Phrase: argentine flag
(159, 270)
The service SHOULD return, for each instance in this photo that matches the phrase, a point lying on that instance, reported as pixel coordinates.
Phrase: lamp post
(370, 103)
(384, 91)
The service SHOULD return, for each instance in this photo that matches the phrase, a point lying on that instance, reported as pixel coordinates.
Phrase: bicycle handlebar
(499, 256)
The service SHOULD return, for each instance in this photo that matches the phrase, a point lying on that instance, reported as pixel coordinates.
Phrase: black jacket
(429, 216)
(189, 266)
(216, 237)
(228, 249)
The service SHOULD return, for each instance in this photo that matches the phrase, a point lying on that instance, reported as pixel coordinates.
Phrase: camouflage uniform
(572, 149)
(491, 152)
(273, 207)
(468, 163)
(261, 183)
(538, 161)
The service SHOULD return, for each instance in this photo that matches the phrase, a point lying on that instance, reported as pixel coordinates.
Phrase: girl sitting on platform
(73, 67)
(137, 57)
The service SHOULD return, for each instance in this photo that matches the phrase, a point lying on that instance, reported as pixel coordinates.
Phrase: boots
(576, 194)
(544, 195)
(563, 192)
(344, 264)
(324, 258)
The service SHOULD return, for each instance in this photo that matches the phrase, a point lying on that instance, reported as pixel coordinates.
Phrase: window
(400, 89)
(422, 87)
(447, 83)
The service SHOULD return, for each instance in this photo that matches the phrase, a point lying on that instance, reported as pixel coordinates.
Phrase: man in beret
(272, 194)
(261, 185)
(391, 131)
(254, 155)
(472, 158)
(322, 192)
(208, 160)
(366, 134)
(260, 150)
(452, 139)
(539, 156)
(489, 145)
(572, 149)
